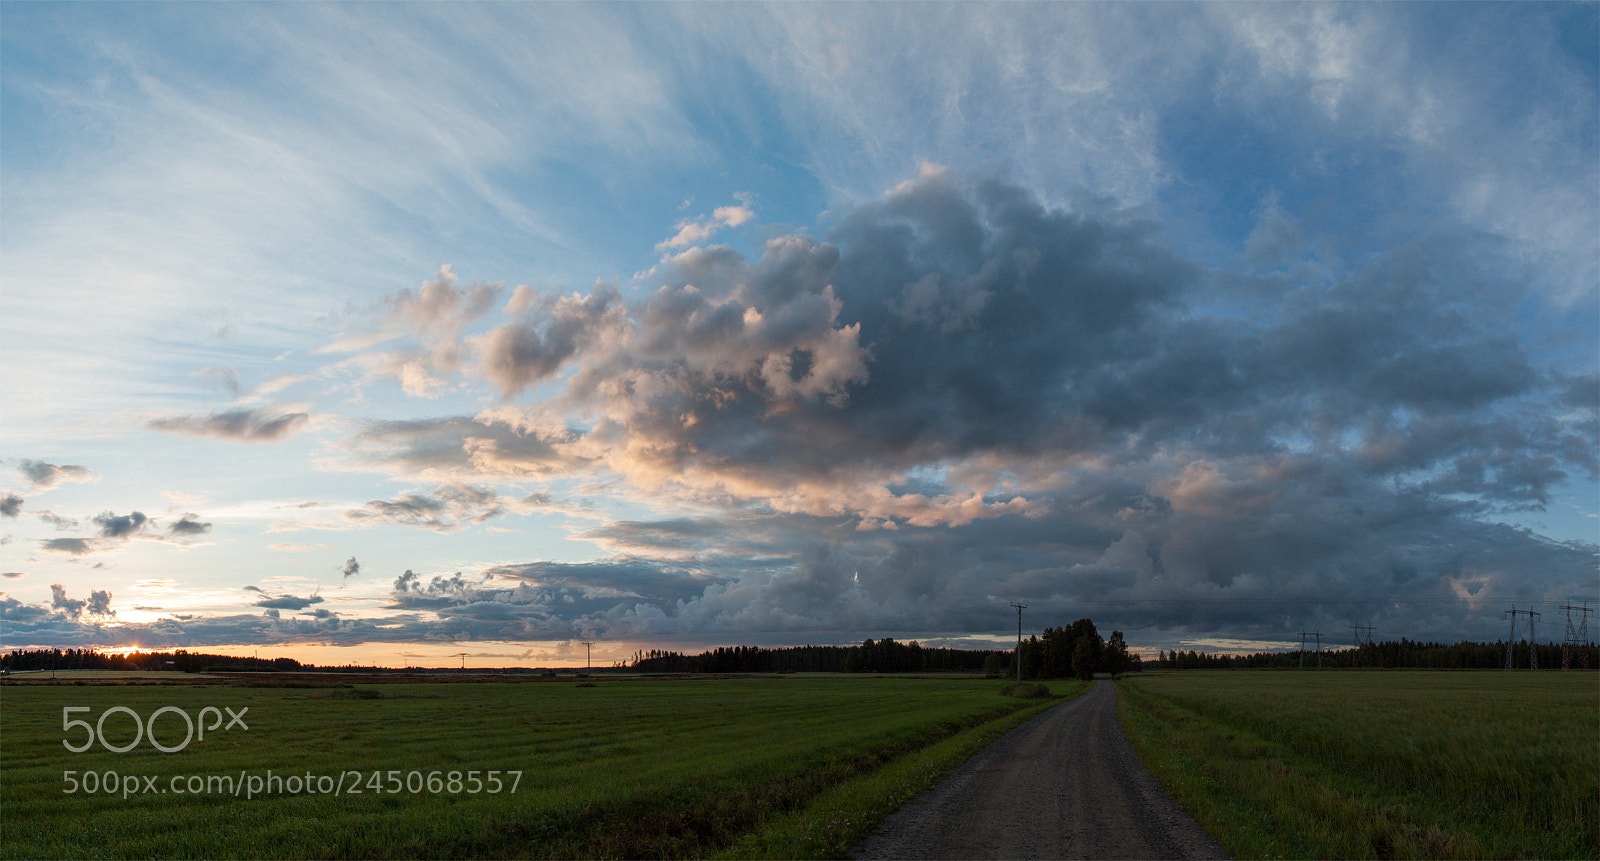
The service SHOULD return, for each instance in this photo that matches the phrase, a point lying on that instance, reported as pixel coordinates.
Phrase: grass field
(783, 767)
(1391, 764)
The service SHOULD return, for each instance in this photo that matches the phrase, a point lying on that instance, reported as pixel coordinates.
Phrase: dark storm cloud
(612, 579)
(259, 424)
(964, 398)
(11, 505)
(44, 476)
(957, 354)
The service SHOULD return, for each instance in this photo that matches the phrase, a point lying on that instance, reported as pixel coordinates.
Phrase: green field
(785, 767)
(1390, 764)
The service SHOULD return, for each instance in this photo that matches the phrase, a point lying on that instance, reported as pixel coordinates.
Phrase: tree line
(872, 656)
(19, 660)
(1071, 650)
(1392, 654)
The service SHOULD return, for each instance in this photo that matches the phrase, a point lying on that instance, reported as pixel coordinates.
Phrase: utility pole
(587, 661)
(1020, 608)
(1576, 640)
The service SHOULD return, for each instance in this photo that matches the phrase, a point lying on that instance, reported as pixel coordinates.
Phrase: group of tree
(1072, 650)
(1075, 651)
(19, 661)
(1391, 654)
(872, 656)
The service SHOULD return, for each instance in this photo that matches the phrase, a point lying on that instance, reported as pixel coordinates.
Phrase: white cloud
(694, 231)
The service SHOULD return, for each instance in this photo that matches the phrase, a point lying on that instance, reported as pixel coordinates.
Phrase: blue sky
(388, 332)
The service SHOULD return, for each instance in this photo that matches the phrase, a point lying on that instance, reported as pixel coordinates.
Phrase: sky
(421, 334)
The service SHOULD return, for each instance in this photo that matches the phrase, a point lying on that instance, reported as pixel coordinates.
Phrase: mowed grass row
(621, 769)
(1391, 764)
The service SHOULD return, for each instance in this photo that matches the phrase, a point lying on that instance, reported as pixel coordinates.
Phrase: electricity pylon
(1511, 638)
(1303, 636)
(1576, 639)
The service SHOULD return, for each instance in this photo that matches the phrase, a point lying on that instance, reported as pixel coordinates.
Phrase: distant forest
(1394, 654)
(1073, 650)
(18, 661)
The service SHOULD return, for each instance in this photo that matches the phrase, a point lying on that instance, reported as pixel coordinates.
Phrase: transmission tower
(1533, 645)
(1511, 637)
(1356, 633)
(1020, 608)
(1303, 636)
(1576, 639)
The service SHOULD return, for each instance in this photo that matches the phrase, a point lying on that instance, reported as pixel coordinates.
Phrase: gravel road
(1064, 785)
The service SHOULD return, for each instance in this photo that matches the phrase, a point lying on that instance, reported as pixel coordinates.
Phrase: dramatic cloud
(98, 604)
(969, 395)
(1224, 320)
(553, 329)
(261, 424)
(44, 476)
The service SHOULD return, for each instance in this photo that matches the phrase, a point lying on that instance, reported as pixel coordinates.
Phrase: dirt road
(1063, 785)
